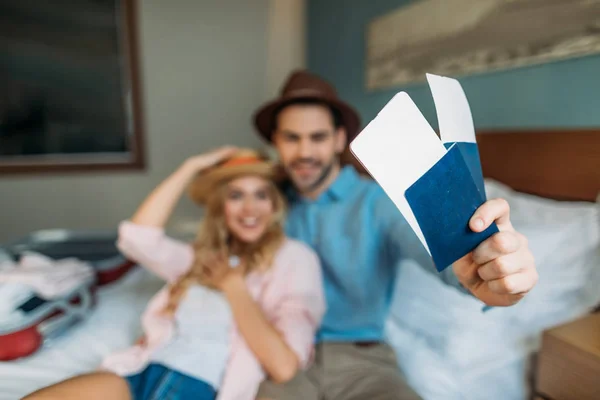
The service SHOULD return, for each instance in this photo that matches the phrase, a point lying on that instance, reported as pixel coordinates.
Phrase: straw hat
(242, 163)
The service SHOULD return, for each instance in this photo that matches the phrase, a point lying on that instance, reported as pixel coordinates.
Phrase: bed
(447, 348)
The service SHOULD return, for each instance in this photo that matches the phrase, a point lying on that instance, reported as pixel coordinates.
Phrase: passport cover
(443, 201)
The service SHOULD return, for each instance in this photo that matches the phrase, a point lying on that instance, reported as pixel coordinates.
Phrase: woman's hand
(158, 206)
(268, 344)
(217, 273)
(206, 160)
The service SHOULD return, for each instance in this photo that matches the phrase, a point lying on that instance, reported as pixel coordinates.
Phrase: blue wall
(560, 94)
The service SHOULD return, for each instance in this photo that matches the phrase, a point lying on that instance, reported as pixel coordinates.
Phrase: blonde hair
(213, 237)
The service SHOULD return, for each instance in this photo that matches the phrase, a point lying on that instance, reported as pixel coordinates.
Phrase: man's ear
(340, 140)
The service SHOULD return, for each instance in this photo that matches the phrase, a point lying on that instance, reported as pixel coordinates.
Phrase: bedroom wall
(560, 94)
(286, 42)
(203, 74)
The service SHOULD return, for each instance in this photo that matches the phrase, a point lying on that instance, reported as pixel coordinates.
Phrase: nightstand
(568, 365)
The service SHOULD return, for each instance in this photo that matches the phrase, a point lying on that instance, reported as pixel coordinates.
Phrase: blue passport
(443, 201)
(470, 153)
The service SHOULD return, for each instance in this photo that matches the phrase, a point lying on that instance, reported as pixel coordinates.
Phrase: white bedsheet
(113, 325)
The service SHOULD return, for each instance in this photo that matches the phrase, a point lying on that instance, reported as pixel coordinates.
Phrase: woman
(241, 303)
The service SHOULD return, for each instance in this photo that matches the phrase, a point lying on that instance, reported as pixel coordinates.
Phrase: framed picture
(70, 86)
(465, 37)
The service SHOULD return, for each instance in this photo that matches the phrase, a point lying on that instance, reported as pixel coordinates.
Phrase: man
(360, 237)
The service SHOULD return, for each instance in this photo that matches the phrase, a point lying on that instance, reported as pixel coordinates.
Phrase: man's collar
(339, 189)
(343, 184)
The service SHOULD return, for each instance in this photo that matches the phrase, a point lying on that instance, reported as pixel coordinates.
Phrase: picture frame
(70, 87)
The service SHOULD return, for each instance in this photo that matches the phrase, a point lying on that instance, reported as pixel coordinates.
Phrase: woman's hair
(214, 238)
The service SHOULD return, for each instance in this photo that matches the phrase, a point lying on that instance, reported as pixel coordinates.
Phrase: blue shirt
(359, 236)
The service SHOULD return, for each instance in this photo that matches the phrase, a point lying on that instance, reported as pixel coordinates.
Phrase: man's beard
(325, 171)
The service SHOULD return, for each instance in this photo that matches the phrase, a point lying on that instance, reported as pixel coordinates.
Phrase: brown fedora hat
(302, 85)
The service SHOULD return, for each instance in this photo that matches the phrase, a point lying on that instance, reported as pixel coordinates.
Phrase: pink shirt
(289, 293)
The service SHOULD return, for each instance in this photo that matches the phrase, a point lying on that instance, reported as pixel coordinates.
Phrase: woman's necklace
(234, 261)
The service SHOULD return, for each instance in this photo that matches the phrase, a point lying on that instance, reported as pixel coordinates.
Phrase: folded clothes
(47, 278)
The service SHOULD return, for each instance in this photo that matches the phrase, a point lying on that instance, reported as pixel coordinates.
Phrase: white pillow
(531, 209)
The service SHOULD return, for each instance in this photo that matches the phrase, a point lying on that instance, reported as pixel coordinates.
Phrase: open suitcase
(96, 247)
(34, 320)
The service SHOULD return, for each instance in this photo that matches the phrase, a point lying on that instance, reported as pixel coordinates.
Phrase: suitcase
(36, 321)
(96, 247)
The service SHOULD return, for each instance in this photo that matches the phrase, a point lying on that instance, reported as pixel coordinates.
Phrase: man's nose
(305, 149)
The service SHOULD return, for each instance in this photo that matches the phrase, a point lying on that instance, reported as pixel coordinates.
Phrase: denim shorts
(157, 382)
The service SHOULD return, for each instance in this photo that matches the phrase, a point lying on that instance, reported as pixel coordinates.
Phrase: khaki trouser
(345, 371)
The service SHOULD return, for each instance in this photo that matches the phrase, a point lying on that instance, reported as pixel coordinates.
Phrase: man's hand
(501, 270)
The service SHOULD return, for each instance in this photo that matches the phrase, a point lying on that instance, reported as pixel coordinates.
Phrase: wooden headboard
(556, 164)
(562, 165)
